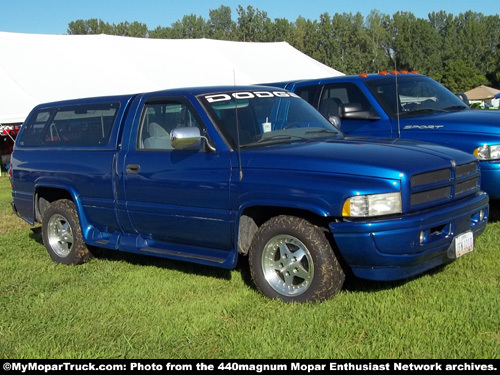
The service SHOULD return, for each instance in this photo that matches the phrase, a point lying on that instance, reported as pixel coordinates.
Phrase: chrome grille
(444, 184)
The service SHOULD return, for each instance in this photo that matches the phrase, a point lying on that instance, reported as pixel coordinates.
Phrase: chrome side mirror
(334, 120)
(188, 137)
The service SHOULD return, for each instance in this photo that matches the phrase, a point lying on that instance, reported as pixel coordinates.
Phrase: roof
(39, 68)
(174, 92)
(482, 93)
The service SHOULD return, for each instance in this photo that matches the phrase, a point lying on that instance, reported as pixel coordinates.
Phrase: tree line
(461, 52)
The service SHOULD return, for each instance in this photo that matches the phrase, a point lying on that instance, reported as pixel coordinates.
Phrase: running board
(183, 255)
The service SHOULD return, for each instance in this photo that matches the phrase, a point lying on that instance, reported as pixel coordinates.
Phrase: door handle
(133, 168)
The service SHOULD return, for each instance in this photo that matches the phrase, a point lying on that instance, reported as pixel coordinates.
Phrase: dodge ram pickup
(207, 174)
(411, 106)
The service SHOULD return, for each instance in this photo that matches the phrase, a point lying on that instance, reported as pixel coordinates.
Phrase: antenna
(238, 149)
(397, 97)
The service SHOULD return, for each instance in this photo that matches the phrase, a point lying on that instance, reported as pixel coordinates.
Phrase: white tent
(36, 68)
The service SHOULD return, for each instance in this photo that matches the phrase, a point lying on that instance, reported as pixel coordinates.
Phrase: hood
(466, 121)
(383, 158)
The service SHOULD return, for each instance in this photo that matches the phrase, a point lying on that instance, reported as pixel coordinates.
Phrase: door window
(158, 121)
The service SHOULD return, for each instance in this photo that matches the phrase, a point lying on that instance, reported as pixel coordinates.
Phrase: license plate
(464, 244)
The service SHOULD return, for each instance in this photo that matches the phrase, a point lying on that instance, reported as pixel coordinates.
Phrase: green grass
(125, 306)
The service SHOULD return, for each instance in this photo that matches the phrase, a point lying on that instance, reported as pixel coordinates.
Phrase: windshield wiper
(280, 137)
(420, 111)
(274, 139)
(455, 107)
(325, 131)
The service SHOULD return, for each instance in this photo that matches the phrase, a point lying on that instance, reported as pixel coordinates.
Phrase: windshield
(263, 117)
(416, 94)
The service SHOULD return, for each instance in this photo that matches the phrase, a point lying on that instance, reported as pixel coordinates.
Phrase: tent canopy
(38, 68)
(482, 93)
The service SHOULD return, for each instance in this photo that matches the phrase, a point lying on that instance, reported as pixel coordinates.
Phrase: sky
(53, 16)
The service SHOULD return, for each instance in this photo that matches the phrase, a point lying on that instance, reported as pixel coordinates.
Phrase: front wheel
(62, 235)
(292, 260)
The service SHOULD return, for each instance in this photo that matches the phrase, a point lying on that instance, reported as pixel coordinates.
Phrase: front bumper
(401, 247)
(490, 178)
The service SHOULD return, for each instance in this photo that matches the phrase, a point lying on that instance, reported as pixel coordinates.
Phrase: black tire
(62, 235)
(292, 260)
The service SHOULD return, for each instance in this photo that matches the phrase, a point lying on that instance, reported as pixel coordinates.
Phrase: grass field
(124, 306)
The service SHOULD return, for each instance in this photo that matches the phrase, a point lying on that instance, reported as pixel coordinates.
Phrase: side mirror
(463, 98)
(334, 120)
(188, 137)
(354, 111)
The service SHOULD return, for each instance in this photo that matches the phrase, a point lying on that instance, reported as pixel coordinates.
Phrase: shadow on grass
(494, 211)
(352, 283)
(148, 260)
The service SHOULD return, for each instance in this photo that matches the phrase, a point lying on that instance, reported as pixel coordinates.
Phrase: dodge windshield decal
(249, 95)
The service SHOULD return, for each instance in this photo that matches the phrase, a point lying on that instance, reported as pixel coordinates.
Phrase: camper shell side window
(77, 125)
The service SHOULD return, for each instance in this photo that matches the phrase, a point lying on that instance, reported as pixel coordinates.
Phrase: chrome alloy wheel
(287, 265)
(60, 235)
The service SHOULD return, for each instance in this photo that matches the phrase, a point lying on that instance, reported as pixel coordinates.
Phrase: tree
(351, 36)
(282, 30)
(461, 52)
(89, 27)
(95, 26)
(379, 41)
(416, 44)
(326, 47)
(460, 77)
(190, 27)
(161, 33)
(220, 25)
(304, 36)
(134, 29)
(253, 25)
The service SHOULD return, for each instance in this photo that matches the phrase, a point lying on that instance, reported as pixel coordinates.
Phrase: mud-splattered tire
(292, 260)
(62, 235)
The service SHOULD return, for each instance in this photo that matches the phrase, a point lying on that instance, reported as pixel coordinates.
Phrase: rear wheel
(292, 260)
(62, 235)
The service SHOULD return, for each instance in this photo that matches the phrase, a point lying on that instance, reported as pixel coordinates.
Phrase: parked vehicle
(207, 174)
(409, 106)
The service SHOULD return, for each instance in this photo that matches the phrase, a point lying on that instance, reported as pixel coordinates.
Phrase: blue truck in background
(407, 105)
(206, 175)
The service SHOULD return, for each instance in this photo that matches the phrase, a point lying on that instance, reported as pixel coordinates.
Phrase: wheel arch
(252, 217)
(45, 194)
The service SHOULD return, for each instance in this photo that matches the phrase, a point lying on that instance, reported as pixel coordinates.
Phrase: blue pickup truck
(410, 106)
(207, 174)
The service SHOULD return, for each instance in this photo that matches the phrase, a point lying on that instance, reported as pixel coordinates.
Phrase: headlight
(488, 152)
(372, 205)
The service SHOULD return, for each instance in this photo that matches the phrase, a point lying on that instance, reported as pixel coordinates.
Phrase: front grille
(465, 169)
(464, 187)
(430, 195)
(444, 184)
(431, 177)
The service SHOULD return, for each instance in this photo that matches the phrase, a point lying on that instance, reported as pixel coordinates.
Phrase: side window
(307, 93)
(33, 132)
(158, 121)
(336, 94)
(79, 125)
